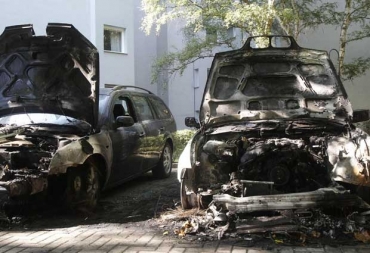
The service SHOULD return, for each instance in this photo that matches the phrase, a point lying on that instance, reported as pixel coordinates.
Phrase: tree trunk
(343, 35)
(271, 17)
(296, 21)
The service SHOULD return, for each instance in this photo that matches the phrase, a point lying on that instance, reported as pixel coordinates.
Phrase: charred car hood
(57, 73)
(273, 83)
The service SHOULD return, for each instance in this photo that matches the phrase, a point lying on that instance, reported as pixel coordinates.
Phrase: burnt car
(276, 148)
(61, 137)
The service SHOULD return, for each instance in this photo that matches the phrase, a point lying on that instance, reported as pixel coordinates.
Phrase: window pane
(142, 107)
(113, 40)
(107, 40)
(161, 109)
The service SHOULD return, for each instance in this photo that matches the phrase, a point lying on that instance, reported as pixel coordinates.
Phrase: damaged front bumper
(29, 185)
(324, 197)
(326, 212)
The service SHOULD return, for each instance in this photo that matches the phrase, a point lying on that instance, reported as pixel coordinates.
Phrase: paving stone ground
(122, 238)
(114, 230)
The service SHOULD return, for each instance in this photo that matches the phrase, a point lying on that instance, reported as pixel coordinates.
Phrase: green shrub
(181, 138)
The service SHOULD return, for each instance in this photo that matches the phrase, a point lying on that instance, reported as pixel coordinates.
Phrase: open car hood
(273, 83)
(57, 73)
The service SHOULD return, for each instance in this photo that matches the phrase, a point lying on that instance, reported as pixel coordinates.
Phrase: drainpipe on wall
(195, 87)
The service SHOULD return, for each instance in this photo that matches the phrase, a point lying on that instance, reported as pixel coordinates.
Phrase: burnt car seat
(118, 110)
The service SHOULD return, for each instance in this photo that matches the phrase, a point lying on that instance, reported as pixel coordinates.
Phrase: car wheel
(83, 187)
(164, 167)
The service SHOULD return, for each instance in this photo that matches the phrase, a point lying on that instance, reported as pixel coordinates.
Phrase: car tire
(164, 166)
(83, 187)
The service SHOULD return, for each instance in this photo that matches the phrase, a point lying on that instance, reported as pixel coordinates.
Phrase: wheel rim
(77, 184)
(167, 159)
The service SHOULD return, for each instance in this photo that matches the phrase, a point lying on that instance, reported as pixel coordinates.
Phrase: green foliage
(180, 139)
(177, 61)
(206, 24)
(299, 15)
(355, 68)
(355, 25)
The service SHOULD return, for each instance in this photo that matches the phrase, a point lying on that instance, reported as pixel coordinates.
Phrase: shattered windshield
(279, 78)
(42, 119)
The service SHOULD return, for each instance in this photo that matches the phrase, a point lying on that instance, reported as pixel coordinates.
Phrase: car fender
(350, 158)
(78, 151)
(184, 160)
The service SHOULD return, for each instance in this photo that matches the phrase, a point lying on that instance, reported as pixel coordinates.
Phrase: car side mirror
(124, 121)
(191, 122)
(360, 115)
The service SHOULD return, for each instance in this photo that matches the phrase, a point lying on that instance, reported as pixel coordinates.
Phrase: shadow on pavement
(139, 200)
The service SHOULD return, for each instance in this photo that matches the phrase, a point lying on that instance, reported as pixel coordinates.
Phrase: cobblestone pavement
(132, 238)
(107, 231)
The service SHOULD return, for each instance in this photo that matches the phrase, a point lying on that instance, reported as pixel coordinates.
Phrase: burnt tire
(83, 187)
(164, 166)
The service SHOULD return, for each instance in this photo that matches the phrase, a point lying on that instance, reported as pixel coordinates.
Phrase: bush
(181, 138)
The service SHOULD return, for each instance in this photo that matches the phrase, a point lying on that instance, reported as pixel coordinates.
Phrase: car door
(151, 142)
(126, 141)
(165, 120)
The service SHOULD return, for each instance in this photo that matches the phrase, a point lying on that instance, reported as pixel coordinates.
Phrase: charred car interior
(61, 137)
(276, 148)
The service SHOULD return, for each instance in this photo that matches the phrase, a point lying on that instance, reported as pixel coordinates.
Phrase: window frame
(123, 41)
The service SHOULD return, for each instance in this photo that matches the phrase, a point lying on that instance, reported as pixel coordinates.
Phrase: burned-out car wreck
(61, 137)
(276, 148)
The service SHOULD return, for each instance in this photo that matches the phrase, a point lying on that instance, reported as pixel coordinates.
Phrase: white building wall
(115, 68)
(89, 17)
(41, 12)
(184, 96)
(146, 51)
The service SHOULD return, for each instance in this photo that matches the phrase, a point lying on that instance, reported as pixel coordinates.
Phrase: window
(161, 109)
(114, 39)
(142, 108)
(196, 78)
(211, 34)
(122, 107)
(231, 33)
